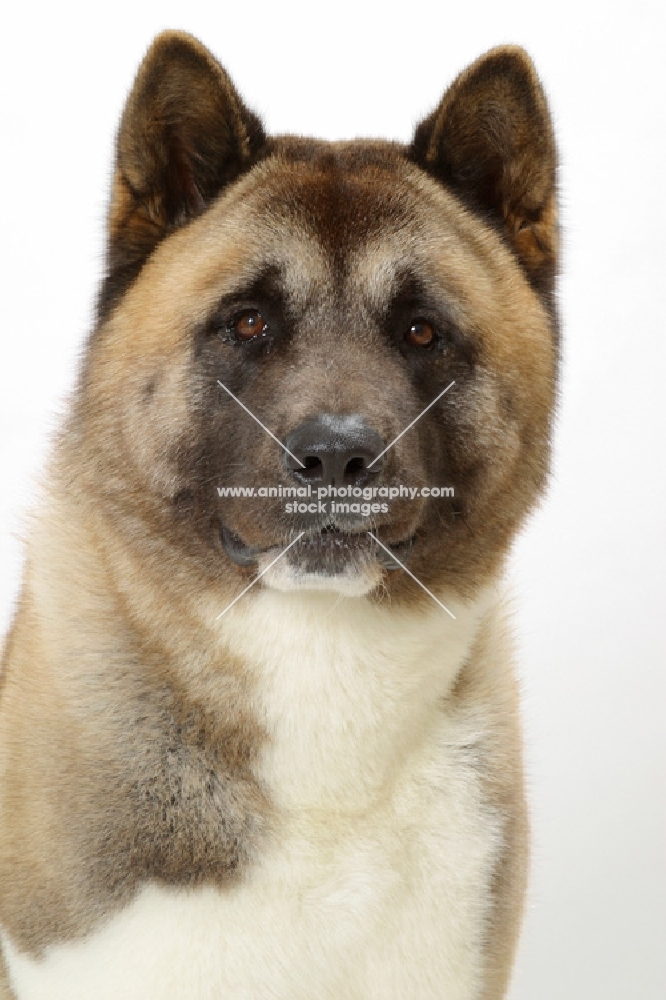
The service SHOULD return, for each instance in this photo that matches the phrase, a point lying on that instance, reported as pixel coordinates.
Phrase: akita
(313, 789)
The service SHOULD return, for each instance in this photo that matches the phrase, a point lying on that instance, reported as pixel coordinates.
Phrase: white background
(588, 572)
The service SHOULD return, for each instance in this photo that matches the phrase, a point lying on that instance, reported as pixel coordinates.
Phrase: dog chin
(356, 579)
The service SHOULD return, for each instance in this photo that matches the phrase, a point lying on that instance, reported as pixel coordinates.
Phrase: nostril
(354, 467)
(313, 468)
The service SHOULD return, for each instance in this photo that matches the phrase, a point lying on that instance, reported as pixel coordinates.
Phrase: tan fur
(499, 764)
(52, 723)
(5, 991)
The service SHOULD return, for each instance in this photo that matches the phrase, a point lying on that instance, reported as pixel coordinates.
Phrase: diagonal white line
(263, 426)
(414, 578)
(259, 576)
(370, 465)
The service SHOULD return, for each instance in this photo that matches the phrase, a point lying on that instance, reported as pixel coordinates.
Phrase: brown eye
(249, 324)
(420, 334)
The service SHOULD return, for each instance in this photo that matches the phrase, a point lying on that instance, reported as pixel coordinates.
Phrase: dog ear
(184, 135)
(491, 141)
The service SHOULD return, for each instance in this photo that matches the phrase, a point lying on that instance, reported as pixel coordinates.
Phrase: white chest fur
(375, 880)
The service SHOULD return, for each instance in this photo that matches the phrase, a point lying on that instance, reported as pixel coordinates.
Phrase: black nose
(334, 450)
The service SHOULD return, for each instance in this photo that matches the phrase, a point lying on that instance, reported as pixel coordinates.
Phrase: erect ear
(491, 141)
(184, 135)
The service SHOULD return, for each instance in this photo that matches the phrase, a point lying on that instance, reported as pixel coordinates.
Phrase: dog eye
(420, 334)
(249, 324)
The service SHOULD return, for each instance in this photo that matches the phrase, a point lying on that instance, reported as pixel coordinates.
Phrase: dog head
(325, 323)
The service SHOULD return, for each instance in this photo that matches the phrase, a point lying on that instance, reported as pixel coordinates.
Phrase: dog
(253, 748)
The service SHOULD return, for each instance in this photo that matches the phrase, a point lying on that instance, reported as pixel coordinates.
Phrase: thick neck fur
(347, 690)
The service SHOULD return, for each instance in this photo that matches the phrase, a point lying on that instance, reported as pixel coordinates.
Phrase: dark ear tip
(507, 54)
(506, 62)
(172, 42)
(172, 52)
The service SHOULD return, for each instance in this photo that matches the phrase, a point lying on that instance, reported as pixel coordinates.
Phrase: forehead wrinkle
(339, 202)
(372, 277)
(412, 259)
(307, 274)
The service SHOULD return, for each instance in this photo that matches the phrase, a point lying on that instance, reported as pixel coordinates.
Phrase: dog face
(302, 315)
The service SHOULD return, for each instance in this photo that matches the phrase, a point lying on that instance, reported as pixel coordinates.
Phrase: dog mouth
(327, 551)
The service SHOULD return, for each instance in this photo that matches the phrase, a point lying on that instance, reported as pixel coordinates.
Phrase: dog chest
(387, 904)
